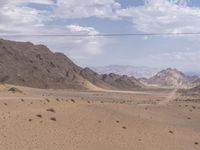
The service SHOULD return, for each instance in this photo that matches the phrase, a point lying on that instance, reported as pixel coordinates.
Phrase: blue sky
(110, 16)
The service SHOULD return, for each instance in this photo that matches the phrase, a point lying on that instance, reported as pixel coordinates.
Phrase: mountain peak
(171, 77)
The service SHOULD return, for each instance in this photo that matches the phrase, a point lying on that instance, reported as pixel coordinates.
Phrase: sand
(80, 120)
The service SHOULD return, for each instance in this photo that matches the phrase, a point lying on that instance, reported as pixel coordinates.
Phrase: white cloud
(92, 45)
(91, 8)
(155, 16)
(77, 28)
(164, 16)
(46, 2)
(16, 18)
(77, 48)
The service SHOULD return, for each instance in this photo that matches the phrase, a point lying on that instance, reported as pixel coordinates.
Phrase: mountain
(111, 81)
(137, 72)
(196, 82)
(26, 64)
(195, 89)
(95, 78)
(172, 78)
(191, 91)
(121, 82)
(23, 63)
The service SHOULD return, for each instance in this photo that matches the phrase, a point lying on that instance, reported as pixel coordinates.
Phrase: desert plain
(156, 119)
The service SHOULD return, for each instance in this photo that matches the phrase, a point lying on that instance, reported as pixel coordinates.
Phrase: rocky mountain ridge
(26, 64)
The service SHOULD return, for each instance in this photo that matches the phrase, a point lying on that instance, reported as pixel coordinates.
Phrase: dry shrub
(51, 110)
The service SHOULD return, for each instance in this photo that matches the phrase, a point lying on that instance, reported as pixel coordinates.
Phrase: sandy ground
(77, 120)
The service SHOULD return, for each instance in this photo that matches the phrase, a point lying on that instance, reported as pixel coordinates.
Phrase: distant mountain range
(138, 72)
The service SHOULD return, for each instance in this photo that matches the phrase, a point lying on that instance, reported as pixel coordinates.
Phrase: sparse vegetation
(194, 107)
(72, 100)
(53, 118)
(171, 132)
(39, 115)
(51, 110)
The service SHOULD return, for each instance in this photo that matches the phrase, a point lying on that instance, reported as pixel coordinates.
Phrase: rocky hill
(196, 82)
(23, 63)
(121, 82)
(26, 64)
(171, 77)
(95, 78)
(195, 89)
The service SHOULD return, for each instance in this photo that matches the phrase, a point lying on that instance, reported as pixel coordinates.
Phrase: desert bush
(53, 118)
(51, 110)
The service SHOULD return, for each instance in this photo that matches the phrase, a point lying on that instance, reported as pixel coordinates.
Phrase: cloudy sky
(92, 17)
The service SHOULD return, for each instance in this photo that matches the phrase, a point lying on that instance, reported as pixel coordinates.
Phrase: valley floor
(80, 120)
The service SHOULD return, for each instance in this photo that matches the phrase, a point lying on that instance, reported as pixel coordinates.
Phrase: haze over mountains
(138, 72)
(166, 78)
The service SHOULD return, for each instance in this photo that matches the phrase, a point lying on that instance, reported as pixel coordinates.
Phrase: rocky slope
(195, 89)
(121, 82)
(171, 77)
(36, 66)
(95, 78)
(26, 64)
(196, 82)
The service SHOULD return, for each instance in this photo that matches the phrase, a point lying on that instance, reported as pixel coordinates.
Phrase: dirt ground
(80, 120)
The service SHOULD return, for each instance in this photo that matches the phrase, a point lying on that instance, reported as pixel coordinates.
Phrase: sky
(93, 17)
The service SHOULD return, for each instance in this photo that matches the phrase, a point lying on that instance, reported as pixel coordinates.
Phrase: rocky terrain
(36, 66)
(26, 64)
(191, 91)
(196, 82)
(122, 82)
(172, 78)
(195, 89)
